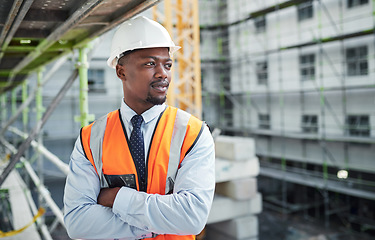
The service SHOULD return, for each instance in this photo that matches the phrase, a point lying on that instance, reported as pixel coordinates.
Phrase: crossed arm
(92, 213)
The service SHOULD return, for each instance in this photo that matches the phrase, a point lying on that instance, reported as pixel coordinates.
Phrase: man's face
(145, 75)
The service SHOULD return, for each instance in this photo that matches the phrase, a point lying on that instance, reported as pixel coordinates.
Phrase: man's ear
(120, 71)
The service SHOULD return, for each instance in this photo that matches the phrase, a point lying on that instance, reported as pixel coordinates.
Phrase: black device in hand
(127, 180)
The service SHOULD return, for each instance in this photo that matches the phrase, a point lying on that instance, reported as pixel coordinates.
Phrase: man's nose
(161, 72)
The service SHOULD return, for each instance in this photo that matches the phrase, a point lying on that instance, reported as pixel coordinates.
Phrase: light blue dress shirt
(136, 214)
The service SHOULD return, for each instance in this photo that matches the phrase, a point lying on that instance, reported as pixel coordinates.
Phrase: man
(147, 169)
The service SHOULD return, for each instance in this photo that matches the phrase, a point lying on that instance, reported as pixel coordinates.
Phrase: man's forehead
(157, 53)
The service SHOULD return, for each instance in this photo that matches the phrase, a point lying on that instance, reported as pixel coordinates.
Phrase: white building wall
(331, 95)
(357, 18)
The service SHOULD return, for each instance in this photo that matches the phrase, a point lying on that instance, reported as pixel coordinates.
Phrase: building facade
(298, 76)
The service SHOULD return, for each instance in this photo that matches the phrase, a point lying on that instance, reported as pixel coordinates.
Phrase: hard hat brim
(112, 60)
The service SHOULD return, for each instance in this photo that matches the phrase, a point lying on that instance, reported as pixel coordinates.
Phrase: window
(309, 124)
(262, 74)
(353, 3)
(264, 121)
(96, 80)
(356, 61)
(307, 67)
(305, 11)
(358, 125)
(260, 24)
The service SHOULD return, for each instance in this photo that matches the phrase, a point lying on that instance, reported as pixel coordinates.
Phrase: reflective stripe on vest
(178, 136)
(96, 146)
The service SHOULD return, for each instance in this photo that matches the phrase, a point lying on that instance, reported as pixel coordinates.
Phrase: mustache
(159, 82)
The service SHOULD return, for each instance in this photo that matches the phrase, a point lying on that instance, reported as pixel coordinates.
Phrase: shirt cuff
(122, 202)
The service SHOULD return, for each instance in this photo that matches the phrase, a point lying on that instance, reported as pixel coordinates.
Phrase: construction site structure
(45, 46)
(294, 75)
(298, 77)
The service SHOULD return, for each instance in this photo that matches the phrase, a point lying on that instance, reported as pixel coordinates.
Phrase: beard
(155, 100)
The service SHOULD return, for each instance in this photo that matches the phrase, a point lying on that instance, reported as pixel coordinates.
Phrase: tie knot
(137, 121)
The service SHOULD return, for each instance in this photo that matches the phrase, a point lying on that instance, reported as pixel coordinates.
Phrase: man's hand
(107, 196)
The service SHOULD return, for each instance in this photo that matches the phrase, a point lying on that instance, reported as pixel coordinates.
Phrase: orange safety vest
(105, 144)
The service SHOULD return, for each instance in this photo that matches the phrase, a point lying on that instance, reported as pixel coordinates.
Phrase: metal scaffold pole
(39, 113)
(25, 112)
(14, 101)
(323, 115)
(82, 67)
(39, 95)
(13, 105)
(3, 100)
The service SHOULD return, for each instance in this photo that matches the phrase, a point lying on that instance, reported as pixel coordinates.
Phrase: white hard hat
(138, 33)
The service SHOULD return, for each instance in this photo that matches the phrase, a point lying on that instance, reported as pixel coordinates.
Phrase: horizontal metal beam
(297, 135)
(42, 15)
(6, 73)
(369, 86)
(29, 47)
(30, 33)
(277, 7)
(331, 39)
(311, 181)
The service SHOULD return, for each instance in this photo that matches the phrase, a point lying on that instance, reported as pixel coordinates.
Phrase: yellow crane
(181, 19)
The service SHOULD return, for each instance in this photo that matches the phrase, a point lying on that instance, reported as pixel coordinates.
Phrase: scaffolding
(39, 33)
(33, 34)
(255, 98)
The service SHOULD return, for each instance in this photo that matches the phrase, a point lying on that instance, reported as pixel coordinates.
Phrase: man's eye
(150, 64)
(169, 65)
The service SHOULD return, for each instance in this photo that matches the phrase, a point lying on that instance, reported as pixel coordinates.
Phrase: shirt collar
(127, 113)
